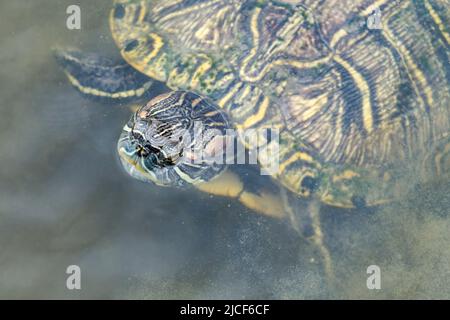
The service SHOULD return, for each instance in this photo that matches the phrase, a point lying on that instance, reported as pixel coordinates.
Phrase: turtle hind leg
(436, 164)
(267, 199)
(317, 238)
(101, 78)
(308, 225)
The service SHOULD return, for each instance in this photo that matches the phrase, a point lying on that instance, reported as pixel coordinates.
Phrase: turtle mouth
(146, 162)
(133, 167)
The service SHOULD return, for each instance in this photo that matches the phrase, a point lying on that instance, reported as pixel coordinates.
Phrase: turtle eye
(141, 151)
(144, 151)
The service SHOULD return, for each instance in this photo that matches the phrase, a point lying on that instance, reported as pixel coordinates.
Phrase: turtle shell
(357, 91)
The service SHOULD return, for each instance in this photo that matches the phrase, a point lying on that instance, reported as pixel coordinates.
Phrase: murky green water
(65, 200)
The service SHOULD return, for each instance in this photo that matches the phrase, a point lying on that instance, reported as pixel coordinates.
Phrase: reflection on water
(64, 200)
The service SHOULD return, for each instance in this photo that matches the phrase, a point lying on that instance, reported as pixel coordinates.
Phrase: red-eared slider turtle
(356, 91)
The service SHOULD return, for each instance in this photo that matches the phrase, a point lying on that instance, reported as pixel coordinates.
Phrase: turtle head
(175, 139)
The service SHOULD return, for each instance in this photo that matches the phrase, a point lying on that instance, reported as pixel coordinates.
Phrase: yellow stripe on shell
(346, 175)
(201, 70)
(258, 116)
(158, 43)
(295, 157)
(142, 12)
(364, 89)
(337, 37)
(411, 65)
(204, 30)
(188, 10)
(437, 20)
(301, 64)
(231, 93)
(254, 50)
(376, 5)
(280, 62)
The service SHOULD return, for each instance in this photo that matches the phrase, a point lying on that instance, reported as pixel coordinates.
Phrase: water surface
(65, 200)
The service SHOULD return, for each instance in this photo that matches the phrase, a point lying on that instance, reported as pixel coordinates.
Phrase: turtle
(346, 97)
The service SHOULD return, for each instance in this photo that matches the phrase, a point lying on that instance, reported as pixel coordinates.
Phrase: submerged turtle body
(359, 91)
(353, 103)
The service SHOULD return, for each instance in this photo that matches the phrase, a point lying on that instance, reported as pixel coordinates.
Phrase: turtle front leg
(230, 185)
(101, 78)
